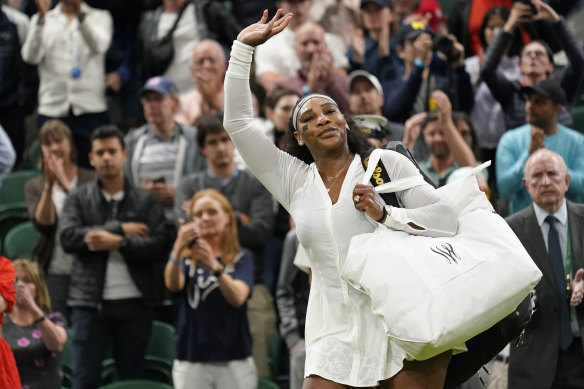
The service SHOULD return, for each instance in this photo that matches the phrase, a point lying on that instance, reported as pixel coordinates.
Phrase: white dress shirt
(57, 46)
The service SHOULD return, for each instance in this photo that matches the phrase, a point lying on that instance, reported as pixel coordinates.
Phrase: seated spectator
(9, 378)
(545, 100)
(118, 236)
(366, 98)
(448, 150)
(292, 301)
(36, 336)
(536, 64)
(162, 151)
(424, 73)
(278, 107)
(487, 115)
(215, 278)
(372, 52)
(316, 73)
(276, 59)
(45, 196)
(71, 66)
(19, 81)
(208, 67)
(187, 22)
(7, 155)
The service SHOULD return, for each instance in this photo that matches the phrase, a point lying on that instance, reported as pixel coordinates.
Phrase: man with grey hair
(208, 67)
(551, 230)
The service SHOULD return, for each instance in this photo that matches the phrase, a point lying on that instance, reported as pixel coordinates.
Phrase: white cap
(370, 77)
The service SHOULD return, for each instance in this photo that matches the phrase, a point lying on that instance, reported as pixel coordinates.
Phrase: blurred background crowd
(113, 159)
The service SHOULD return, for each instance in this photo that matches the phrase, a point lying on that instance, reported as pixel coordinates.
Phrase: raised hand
(545, 12)
(259, 32)
(444, 106)
(520, 13)
(412, 129)
(537, 139)
(43, 6)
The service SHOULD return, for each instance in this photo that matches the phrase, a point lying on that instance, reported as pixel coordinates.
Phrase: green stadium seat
(13, 185)
(267, 384)
(137, 384)
(20, 241)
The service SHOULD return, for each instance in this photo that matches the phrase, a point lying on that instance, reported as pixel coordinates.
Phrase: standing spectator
(9, 378)
(366, 98)
(188, 23)
(253, 215)
(292, 302)
(208, 67)
(448, 150)
(372, 52)
(536, 63)
(118, 236)
(162, 151)
(7, 155)
(409, 95)
(35, 335)
(276, 61)
(551, 230)
(544, 103)
(316, 73)
(45, 196)
(68, 43)
(215, 278)
(19, 81)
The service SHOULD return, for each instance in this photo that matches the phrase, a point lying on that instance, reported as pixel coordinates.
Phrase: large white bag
(433, 294)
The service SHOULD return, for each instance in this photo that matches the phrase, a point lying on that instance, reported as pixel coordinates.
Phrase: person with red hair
(9, 378)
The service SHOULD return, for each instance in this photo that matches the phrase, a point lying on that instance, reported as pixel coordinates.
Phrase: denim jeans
(124, 323)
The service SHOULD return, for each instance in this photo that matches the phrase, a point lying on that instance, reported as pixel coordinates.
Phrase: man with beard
(316, 74)
(544, 102)
(448, 150)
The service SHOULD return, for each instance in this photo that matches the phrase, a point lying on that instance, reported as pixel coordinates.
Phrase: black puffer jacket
(86, 209)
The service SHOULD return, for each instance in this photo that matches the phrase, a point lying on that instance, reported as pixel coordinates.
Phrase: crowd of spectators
(126, 101)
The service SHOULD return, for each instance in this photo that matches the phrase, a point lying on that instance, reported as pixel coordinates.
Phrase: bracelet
(383, 217)
(39, 320)
(173, 261)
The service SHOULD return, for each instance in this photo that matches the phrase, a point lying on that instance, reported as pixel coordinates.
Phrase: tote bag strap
(392, 186)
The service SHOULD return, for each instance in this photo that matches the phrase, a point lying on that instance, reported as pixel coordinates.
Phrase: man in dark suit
(551, 230)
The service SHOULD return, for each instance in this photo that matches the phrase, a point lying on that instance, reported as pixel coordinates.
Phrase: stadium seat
(13, 186)
(267, 384)
(578, 118)
(136, 384)
(20, 241)
(11, 215)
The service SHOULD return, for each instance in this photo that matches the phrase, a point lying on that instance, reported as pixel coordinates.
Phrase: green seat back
(20, 241)
(137, 384)
(13, 185)
(267, 384)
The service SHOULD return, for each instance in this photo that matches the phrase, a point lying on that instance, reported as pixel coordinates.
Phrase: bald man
(551, 230)
(208, 67)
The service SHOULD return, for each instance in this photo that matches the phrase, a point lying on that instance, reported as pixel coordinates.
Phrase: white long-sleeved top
(345, 341)
(58, 45)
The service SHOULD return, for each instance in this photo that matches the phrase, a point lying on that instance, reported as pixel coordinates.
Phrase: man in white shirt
(276, 59)
(68, 43)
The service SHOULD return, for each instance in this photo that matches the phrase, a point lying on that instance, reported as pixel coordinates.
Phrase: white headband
(303, 101)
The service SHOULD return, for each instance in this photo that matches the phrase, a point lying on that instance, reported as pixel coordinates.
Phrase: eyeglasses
(536, 53)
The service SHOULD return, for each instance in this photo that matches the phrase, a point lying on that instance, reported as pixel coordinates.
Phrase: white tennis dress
(345, 341)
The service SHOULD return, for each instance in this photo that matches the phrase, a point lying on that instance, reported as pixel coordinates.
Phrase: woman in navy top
(216, 278)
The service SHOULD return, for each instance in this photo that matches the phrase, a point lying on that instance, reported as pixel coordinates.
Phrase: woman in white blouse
(317, 180)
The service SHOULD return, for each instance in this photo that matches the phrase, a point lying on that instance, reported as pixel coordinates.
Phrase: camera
(443, 44)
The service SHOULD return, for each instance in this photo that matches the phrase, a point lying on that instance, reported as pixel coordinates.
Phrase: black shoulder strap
(380, 175)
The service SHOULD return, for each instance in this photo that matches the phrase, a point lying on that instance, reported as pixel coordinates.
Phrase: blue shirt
(513, 152)
(385, 69)
(208, 328)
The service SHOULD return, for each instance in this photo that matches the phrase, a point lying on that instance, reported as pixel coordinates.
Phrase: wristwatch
(217, 273)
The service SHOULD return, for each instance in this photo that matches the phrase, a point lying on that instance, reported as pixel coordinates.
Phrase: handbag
(435, 293)
(160, 52)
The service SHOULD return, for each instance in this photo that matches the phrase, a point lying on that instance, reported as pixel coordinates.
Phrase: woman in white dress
(317, 181)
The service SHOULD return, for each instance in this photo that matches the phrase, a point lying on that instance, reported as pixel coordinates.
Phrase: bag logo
(447, 251)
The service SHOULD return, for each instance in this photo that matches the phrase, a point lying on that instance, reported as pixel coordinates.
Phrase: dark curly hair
(357, 142)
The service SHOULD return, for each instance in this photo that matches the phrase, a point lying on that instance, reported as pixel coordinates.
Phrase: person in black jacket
(119, 239)
(536, 64)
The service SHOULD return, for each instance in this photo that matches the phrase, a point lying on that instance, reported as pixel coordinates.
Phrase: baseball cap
(370, 125)
(434, 9)
(160, 84)
(547, 88)
(356, 74)
(381, 3)
(411, 31)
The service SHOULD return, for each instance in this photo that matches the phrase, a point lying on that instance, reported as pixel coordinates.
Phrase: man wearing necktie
(551, 230)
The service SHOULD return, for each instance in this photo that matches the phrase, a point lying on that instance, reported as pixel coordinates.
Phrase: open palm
(259, 32)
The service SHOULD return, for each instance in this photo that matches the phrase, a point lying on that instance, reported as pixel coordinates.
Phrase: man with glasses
(162, 151)
(536, 63)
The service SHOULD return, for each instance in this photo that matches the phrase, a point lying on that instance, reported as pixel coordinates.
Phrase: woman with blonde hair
(215, 277)
(35, 335)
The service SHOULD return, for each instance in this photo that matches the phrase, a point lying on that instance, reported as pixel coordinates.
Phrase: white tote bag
(433, 294)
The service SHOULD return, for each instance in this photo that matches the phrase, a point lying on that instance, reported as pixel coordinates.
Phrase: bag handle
(178, 16)
(392, 186)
